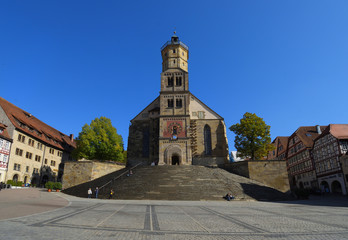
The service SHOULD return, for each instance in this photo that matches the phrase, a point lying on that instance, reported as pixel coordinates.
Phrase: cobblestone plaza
(319, 218)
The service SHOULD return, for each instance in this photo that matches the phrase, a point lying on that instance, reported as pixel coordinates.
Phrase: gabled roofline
(144, 109)
(221, 118)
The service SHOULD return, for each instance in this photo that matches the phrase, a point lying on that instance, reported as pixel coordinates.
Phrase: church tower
(176, 128)
(174, 144)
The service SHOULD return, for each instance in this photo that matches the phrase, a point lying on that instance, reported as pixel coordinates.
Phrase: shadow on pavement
(264, 193)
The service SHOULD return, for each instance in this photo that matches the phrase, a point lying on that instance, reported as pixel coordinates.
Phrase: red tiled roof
(339, 131)
(32, 126)
(4, 133)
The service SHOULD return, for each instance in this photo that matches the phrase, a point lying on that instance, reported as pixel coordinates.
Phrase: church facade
(177, 128)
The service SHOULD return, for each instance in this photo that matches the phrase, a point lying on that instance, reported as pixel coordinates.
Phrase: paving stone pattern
(125, 219)
(180, 183)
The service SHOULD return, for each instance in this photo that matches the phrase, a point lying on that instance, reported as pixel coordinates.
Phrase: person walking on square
(96, 192)
(89, 192)
(111, 194)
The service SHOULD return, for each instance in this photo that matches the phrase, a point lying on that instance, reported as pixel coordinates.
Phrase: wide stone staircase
(178, 183)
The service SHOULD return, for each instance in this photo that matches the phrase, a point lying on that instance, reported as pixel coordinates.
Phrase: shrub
(13, 183)
(49, 185)
(57, 185)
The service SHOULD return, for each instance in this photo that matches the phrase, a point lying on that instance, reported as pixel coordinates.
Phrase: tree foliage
(252, 137)
(99, 141)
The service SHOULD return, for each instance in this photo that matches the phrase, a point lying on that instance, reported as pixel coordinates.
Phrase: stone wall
(143, 144)
(79, 172)
(270, 172)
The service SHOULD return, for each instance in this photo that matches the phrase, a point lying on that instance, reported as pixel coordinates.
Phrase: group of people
(90, 192)
(229, 196)
(96, 191)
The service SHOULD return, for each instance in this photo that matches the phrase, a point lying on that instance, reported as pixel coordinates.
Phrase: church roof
(143, 111)
(207, 106)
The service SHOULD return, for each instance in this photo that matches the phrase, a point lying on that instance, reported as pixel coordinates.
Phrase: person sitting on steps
(229, 197)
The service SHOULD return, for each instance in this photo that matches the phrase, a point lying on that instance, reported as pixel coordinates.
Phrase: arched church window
(207, 140)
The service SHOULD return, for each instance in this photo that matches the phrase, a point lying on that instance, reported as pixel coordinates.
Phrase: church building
(177, 128)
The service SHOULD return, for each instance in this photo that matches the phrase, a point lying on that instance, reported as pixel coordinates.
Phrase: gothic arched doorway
(324, 187)
(175, 160)
(173, 155)
(44, 180)
(15, 178)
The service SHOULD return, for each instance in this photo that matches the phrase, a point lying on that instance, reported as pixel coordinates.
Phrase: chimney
(318, 129)
(71, 137)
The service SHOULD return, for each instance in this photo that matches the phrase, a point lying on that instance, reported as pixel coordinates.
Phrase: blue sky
(68, 62)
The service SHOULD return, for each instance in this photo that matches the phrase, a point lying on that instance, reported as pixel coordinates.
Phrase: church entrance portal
(175, 160)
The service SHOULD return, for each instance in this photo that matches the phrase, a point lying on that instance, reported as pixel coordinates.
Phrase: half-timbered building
(280, 146)
(5, 146)
(300, 163)
(328, 149)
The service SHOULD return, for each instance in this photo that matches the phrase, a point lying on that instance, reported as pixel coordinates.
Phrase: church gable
(198, 110)
(152, 110)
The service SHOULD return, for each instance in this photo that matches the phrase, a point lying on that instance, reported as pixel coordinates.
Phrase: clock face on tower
(174, 129)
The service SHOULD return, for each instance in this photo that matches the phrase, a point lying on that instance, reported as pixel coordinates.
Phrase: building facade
(177, 128)
(38, 151)
(280, 147)
(328, 150)
(300, 164)
(5, 147)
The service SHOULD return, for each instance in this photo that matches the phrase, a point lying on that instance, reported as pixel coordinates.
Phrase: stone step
(179, 183)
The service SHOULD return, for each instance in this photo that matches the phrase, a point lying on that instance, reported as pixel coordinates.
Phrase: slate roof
(35, 128)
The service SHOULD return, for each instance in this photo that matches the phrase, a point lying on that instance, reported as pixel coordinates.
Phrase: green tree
(99, 141)
(252, 137)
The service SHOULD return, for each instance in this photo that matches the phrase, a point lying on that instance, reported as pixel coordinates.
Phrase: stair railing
(228, 183)
(115, 178)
